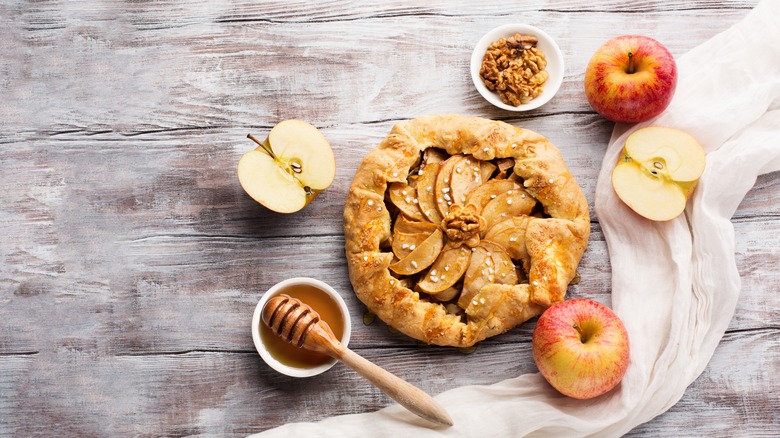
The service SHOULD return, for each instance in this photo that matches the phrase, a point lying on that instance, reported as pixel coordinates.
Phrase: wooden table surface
(132, 260)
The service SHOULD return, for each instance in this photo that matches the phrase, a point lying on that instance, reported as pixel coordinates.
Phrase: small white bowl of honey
(286, 358)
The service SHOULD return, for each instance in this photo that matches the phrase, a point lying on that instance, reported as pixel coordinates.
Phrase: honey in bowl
(329, 311)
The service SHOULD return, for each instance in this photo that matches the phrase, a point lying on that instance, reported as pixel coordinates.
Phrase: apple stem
(584, 332)
(630, 69)
(263, 144)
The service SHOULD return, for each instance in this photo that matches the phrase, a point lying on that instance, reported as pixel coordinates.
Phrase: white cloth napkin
(674, 284)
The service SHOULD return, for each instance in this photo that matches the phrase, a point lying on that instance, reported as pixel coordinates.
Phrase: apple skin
(634, 88)
(581, 348)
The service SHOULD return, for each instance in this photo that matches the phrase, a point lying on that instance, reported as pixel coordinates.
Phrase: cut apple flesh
(510, 234)
(504, 165)
(405, 243)
(490, 264)
(446, 270)
(512, 203)
(303, 146)
(422, 257)
(476, 276)
(666, 152)
(658, 171)
(442, 187)
(433, 155)
(447, 294)
(267, 183)
(648, 195)
(405, 225)
(483, 194)
(486, 170)
(404, 197)
(426, 191)
(466, 176)
(458, 176)
(288, 170)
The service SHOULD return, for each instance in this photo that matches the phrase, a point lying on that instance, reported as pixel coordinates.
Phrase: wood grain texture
(132, 260)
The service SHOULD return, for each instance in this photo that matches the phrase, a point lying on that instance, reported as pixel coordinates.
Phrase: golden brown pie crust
(555, 235)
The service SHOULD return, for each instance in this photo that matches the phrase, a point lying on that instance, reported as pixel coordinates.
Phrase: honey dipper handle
(406, 394)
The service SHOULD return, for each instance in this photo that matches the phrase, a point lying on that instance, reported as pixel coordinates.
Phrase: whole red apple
(581, 348)
(630, 79)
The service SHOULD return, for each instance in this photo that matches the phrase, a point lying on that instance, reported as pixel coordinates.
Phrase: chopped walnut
(515, 68)
(463, 225)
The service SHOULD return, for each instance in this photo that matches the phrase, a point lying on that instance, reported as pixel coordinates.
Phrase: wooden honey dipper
(301, 326)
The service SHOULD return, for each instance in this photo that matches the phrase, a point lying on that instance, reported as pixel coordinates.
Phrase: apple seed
(657, 165)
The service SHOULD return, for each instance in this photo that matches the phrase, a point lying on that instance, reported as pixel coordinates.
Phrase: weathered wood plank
(163, 14)
(737, 395)
(131, 260)
(237, 74)
(177, 395)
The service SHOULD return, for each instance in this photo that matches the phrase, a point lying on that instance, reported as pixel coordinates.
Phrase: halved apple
(657, 171)
(289, 169)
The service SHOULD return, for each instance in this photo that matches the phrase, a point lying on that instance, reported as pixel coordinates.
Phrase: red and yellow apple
(581, 348)
(289, 169)
(657, 171)
(630, 79)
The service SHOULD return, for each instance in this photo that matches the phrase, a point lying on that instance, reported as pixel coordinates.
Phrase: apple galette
(459, 228)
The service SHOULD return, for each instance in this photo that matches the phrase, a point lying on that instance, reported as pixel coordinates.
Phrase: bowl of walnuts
(517, 67)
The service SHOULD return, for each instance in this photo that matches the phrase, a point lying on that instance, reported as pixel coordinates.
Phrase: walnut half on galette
(459, 228)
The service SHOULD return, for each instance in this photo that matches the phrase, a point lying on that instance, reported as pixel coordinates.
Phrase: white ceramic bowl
(546, 44)
(257, 321)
